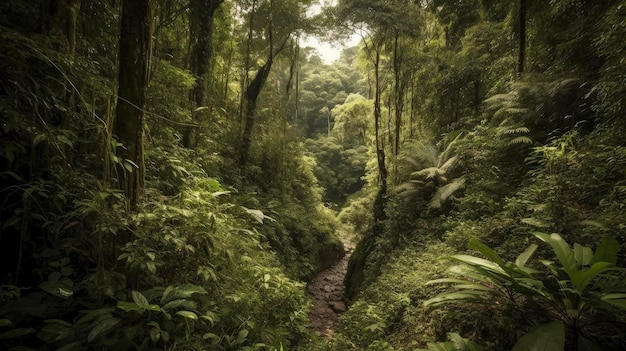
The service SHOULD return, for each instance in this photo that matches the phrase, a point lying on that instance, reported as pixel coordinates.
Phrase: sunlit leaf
(607, 250)
(582, 255)
(129, 306)
(139, 299)
(188, 315)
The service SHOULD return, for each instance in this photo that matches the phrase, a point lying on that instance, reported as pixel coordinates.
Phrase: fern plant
(577, 290)
(429, 173)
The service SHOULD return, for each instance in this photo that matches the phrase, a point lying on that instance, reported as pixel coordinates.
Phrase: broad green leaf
(469, 272)
(5, 322)
(56, 288)
(155, 334)
(16, 333)
(139, 299)
(479, 262)
(562, 250)
(488, 252)
(582, 254)
(179, 303)
(154, 308)
(188, 315)
(168, 294)
(187, 290)
(211, 317)
(104, 326)
(580, 279)
(523, 258)
(472, 286)
(55, 330)
(536, 222)
(241, 336)
(129, 306)
(211, 336)
(615, 299)
(607, 250)
(448, 280)
(546, 337)
(457, 341)
(455, 296)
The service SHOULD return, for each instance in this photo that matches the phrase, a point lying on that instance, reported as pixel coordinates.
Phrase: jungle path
(327, 291)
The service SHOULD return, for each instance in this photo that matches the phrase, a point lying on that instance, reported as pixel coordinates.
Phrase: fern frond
(518, 130)
(520, 140)
(411, 186)
(429, 173)
(502, 100)
(443, 193)
(450, 163)
(444, 154)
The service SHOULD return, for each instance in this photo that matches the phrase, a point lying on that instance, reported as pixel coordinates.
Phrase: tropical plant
(580, 289)
(429, 172)
(455, 343)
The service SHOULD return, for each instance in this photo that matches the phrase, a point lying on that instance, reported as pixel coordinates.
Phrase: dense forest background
(173, 172)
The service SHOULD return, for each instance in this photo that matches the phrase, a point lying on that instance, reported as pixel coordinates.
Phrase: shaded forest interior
(174, 172)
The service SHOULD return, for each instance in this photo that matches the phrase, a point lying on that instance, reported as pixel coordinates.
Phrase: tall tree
(134, 57)
(201, 22)
(522, 36)
(284, 18)
(202, 14)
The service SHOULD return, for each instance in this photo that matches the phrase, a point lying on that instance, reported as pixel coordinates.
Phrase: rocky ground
(327, 291)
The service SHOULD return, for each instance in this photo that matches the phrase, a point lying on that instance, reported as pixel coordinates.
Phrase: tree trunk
(251, 95)
(202, 18)
(202, 14)
(254, 89)
(379, 202)
(246, 69)
(400, 85)
(134, 57)
(522, 37)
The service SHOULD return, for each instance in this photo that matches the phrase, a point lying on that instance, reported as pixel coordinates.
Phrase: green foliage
(390, 309)
(577, 291)
(339, 169)
(189, 276)
(455, 343)
(429, 173)
(353, 121)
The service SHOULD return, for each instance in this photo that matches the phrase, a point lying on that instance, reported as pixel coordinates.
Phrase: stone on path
(337, 306)
(327, 291)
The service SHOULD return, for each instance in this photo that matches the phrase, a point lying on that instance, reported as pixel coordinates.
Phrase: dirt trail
(327, 291)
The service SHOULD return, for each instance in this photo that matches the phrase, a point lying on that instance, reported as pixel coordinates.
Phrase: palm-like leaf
(481, 280)
(429, 173)
(433, 169)
(443, 193)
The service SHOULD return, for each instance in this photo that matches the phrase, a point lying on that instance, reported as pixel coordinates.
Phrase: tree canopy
(174, 173)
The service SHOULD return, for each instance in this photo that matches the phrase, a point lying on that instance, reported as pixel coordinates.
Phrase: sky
(329, 52)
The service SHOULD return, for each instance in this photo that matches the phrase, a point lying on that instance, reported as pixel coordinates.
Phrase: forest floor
(327, 291)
